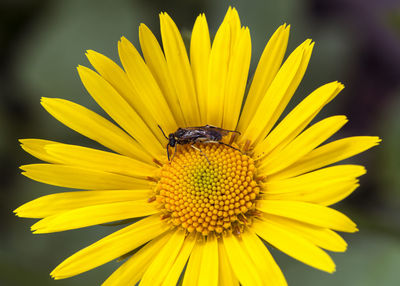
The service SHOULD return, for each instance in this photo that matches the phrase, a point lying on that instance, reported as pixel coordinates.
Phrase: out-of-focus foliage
(357, 42)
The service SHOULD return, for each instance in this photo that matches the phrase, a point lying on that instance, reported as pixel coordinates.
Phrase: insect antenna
(162, 131)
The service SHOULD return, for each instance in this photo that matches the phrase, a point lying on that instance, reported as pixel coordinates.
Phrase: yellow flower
(211, 207)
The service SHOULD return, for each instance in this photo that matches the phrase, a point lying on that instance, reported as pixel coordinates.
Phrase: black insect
(192, 135)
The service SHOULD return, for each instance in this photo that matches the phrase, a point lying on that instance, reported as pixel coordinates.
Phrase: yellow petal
(146, 88)
(94, 215)
(336, 195)
(95, 127)
(302, 144)
(119, 80)
(179, 69)
(200, 47)
(322, 237)
(238, 70)
(193, 266)
(209, 263)
(111, 247)
(176, 270)
(62, 202)
(325, 186)
(278, 94)
(217, 75)
(328, 154)
(297, 120)
(312, 180)
(293, 245)
(241, 262)
(226, 275)
(163, 261)
(81, 178)
(327, 193)
(157, 64)
(267, 68)
(35, 147)
(265, 264)
(132, 270)
(118, 109)
(232, 19)
(308, 213)
(99, 160)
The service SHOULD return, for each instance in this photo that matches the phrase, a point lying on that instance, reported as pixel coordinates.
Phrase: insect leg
(173, 155)
(198, 149)
(222, 143)
(168, 150)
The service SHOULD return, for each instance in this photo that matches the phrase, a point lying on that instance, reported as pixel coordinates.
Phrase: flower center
(208, 189)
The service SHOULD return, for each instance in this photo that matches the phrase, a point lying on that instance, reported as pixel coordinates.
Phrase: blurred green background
(357, 43)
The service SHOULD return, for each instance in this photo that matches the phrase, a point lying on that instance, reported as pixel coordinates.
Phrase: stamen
(151, 179)
(233, 137)
(157, 162)
(246, 146)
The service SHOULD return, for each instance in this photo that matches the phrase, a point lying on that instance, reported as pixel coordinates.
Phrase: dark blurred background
(357, 43)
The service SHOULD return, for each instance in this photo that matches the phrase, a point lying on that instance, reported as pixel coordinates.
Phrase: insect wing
(191, 134)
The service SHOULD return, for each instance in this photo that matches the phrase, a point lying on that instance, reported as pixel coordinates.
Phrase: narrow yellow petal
(193, 266)
(326, 194)
(325, 187)
(62, 202)
(336, 195)
(176, 270)
(312, 180)
(232, 19)
(217, 75)
(94, 215)
(265, 264)
(100, 160)
(35, 147)
(119, 80)
(308, 213)
(133, 269)
(328, 154)
(226, 275)
(293, 245)
(118, 109)
(297, 119)
(95, 127)
(241, 262)
(157, 64)
(302, 144)
(111, 247)
(81, 178)
(238, 70)
(163, 261)
(267, 68)
(278, 94)
(200, 48)
(209, 263)
(146, 88)
(322, 237)
(179, 69)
